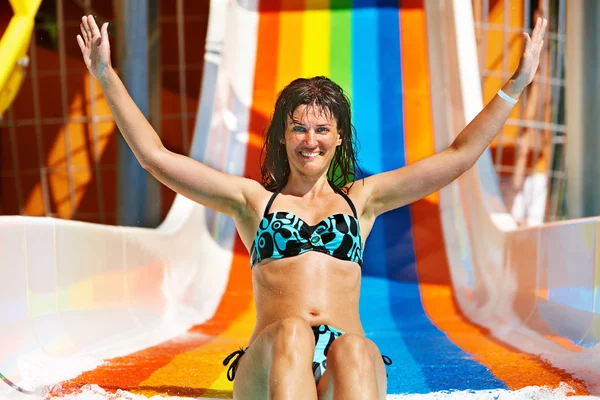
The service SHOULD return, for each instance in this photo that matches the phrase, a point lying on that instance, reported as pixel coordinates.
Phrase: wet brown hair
(324, 94)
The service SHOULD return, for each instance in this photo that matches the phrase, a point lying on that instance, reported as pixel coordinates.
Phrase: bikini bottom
(324, 337)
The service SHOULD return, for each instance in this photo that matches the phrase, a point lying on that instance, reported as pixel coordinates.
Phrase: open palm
(94, 46)
(530, 59)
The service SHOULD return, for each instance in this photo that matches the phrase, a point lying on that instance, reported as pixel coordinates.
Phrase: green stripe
(340, 64)
(340, 69)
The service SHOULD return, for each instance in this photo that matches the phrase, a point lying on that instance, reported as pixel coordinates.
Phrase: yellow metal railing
(13, 49)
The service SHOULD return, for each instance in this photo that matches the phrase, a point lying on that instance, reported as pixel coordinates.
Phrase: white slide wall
(535, 288)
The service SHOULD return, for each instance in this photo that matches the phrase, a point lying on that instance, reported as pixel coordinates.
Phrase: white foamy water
(94, 392)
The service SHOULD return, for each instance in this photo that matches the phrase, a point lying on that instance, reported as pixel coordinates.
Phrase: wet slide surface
(377, 51)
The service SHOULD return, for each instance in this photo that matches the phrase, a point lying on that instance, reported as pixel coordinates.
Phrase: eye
(322, 129)
(298, 128)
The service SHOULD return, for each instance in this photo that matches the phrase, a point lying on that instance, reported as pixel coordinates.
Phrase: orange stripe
(289, 55)
(263, 97)
(516, 369)
(127, 372)
(419, 142)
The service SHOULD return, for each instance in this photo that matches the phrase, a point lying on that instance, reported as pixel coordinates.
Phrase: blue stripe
(366, 114)
(397, 224)
(367, 111)
(365, 84)
(401, 327)
(441, 366)
(404, 375)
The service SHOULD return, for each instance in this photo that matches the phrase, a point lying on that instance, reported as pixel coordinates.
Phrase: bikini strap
(345, 196)
(270, 202)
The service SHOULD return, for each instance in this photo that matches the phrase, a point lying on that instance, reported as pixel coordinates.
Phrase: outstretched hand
(532, 47)
(94, 46)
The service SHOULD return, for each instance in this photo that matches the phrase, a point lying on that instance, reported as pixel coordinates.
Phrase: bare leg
(278, 364)
(355, 370)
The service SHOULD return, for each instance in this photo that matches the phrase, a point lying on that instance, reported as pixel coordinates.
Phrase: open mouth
(310, 155)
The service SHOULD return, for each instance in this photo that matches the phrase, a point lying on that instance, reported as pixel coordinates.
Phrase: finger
(83, 33)
(94, 26)
(540, 29)
(88, 30)
(540, 36)
(80, 42)
(526, 42)
(536, 29)
(104, 32)
(85, 29)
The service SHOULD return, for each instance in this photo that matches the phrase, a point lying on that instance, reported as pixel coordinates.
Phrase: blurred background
(59, 146)
(61, 155)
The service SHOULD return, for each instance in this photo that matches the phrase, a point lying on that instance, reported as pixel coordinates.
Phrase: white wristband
(506, 97)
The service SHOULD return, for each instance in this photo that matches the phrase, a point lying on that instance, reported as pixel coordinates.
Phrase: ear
(339, 140)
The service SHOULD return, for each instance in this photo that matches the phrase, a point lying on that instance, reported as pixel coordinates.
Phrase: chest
(306, 219)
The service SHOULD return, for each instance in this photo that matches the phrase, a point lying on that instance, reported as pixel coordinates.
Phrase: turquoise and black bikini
(282, 234)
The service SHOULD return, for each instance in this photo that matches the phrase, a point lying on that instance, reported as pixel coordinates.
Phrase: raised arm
(205, 185)
(393, 189)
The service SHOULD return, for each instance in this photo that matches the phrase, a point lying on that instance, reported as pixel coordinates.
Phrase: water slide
(14, 46)
(452, 291)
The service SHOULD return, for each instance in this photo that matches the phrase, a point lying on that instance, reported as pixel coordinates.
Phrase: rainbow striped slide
(453, 292)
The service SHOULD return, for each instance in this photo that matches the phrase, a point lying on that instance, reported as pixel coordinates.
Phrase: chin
(313, 171)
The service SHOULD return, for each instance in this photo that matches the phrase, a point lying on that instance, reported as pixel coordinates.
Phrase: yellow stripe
(202, 367)
(316, 39)
(241, 330)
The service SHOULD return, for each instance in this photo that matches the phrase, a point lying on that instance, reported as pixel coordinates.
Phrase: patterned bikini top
(282, 234)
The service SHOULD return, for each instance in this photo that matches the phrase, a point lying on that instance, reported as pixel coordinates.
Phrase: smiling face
(311, 138)
(312, 116)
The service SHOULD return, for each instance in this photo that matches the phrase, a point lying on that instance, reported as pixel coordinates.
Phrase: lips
(310, 155)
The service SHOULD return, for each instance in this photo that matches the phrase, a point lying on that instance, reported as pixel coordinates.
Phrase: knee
(293, 334)
(351, 350)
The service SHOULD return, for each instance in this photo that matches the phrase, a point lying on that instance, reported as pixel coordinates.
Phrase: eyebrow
(295, 121)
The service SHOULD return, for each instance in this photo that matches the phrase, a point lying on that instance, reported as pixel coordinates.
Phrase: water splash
(94, 392)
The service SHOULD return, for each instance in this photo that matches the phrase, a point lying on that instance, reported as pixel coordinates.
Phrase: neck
(306, 186)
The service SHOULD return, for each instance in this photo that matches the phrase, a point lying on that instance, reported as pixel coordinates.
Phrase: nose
(311, 138)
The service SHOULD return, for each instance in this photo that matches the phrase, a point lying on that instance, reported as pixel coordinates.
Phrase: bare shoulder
(256, 198)
(359, 193)
(247, 220)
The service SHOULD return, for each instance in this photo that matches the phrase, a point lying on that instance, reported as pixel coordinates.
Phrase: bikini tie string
(386, 361)
(233, 367)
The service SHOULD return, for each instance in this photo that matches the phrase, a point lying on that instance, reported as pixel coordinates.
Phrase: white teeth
(310, 154)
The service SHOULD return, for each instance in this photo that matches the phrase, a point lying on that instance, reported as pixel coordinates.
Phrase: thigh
(336, 352)
(252, 373)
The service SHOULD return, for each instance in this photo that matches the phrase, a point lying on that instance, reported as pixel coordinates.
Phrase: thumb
(104, 32)
(526, 41)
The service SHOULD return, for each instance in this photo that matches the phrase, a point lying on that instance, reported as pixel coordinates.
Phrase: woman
(305, 226)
